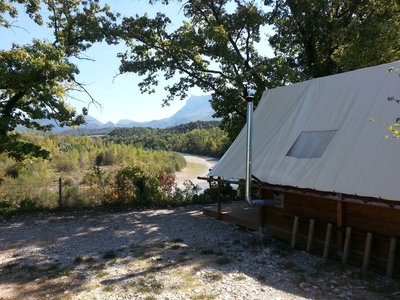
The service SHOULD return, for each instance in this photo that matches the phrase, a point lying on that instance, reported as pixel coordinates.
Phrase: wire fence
(33, 192)
(36, 192)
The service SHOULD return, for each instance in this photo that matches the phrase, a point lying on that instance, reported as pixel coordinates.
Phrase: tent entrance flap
(248, 183)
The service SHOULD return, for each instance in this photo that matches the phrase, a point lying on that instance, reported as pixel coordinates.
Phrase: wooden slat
(391, 256)
(367, 251)
(339, 224)
(310, 212)
(327, 240)
(294, 231)
(346, 247)
(310, 234)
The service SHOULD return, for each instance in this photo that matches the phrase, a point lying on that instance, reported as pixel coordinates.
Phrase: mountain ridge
(197, 108)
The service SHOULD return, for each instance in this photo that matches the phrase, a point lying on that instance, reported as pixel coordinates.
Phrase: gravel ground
(164, 254)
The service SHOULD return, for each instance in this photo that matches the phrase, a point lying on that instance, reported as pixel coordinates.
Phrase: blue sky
(120, 97)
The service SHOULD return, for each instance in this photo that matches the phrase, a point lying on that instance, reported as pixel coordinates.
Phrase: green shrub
(137, 187)
(62, 163)
(13, 171)
(28, 205)
(107, 157)
(73, 196)
(6, 207)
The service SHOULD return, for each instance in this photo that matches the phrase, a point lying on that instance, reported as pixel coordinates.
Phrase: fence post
(60, 204)
(219, 182)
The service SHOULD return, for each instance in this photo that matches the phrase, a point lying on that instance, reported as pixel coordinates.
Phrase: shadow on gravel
(58, 254)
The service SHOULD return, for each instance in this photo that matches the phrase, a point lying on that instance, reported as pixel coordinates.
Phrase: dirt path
(163, 254)
(196, 166)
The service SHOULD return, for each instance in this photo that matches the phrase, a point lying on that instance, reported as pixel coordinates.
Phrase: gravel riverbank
(195, 166)
(164, 254)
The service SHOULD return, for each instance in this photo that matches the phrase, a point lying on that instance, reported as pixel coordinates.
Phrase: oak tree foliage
(323, 38)
(35, 79)
(214, 49)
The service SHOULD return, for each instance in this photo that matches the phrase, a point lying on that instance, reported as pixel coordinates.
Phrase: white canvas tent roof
(357, 160)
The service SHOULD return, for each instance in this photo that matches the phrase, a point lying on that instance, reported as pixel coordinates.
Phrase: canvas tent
(326, 134)
(319, 147)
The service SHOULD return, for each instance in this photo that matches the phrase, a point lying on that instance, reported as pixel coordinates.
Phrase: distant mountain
(197, 108)
(92, 123)
(124, 123)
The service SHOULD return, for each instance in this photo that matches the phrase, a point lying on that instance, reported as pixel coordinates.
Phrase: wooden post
(60, 204)
(392, 253)
(219, 199)
(367, 251)
(210, 181)
(294, 231)
(327, 240)
(310, 234)
(262, 218)
(262, 224)
(346, 245)
(339, 223)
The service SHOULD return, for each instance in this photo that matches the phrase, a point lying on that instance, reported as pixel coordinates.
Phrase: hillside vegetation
(130, 166)
(201, 138)
(93, 171)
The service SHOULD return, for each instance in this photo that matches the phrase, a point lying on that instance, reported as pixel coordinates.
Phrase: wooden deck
(239, 213)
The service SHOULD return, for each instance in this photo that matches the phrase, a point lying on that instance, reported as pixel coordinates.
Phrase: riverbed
(195, 166)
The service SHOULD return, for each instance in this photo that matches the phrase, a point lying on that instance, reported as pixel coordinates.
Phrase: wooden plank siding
(381, 220)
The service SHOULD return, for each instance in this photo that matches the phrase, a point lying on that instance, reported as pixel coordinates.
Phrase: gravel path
(163, 254)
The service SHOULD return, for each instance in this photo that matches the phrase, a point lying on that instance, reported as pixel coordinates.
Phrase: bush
(101, 189)
(28, 205)
(72, 196)
(63, 164)
(135, 186)
(106, 158)
(13, 171)
(5, 207)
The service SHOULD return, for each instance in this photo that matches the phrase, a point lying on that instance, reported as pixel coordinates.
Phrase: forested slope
(201, 138)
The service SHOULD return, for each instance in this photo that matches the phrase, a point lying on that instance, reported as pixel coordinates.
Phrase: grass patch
(159, 245)
(203, 297)
(101, 273)
(147, 285)
(64, 272)
(211, 249)
(108, 288)
(29, 268)
(98, 267)
(214, 277)
(80, 259)
(137, 250)
(51, 270)
(240, 277)
(260, 278)
(10, 266)
(223, 260)
(206, 251)
(177, 240)
(110, 254)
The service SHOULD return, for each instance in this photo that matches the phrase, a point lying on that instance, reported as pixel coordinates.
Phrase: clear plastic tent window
(311, 144)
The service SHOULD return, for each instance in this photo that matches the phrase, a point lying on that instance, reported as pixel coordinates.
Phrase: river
(195, 166)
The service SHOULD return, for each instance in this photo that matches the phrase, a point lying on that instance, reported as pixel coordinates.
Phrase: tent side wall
(380, 220)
